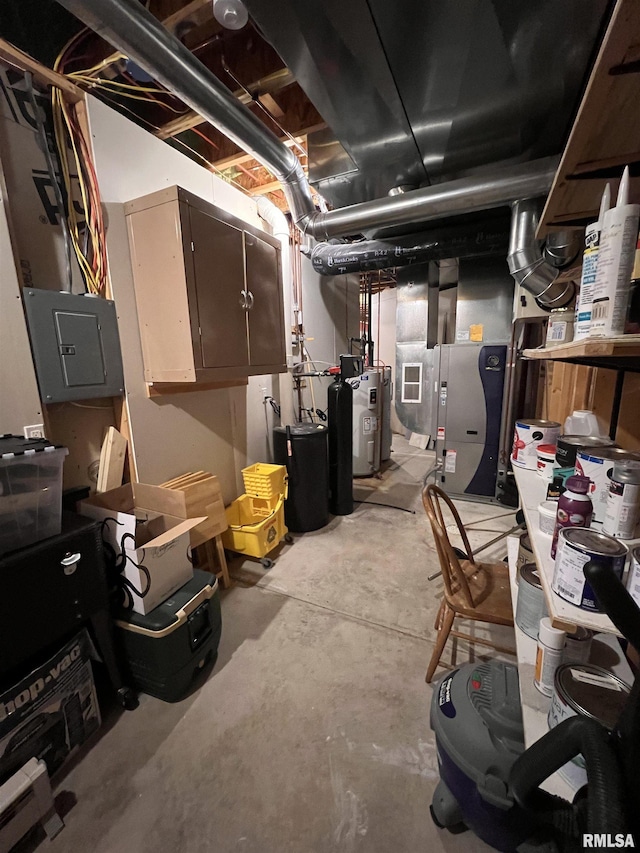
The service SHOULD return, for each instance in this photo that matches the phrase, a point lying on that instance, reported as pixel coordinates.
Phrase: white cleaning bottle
(615, 262)
(589, 267)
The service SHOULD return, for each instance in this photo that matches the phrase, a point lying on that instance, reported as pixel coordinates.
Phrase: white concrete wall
(223, 430)
(330, 318)
(19, 398)
(383, 326)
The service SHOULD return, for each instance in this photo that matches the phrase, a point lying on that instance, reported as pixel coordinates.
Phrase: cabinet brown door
(220, 290)
(266, 329)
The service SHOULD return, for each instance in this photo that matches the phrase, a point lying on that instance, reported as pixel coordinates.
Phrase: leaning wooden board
(112, 454)
(202, 496)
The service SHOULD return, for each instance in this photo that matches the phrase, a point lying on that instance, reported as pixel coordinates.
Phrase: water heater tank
(367, 404)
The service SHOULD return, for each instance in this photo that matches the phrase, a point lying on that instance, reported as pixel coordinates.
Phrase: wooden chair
(478, 591)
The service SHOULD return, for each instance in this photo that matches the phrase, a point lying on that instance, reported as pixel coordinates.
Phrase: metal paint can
(588, 691)
(633, 580)
(525, 554)
(528, 435)
(576, 547)
(623, 500)
(569, 445)
(546, 454)
(577, 647)
(531, 606)
(597, 465)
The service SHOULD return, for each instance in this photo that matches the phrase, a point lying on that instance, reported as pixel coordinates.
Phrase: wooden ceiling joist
(266, 85)
(18, 59)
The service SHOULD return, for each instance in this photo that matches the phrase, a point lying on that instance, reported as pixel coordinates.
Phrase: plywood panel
(155, 238)
(628, 434)
(19, 398)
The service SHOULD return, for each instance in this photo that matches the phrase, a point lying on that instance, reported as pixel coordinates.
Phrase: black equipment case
(166, 649)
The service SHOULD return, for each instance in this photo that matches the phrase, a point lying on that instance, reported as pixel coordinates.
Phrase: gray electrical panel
(75, 345)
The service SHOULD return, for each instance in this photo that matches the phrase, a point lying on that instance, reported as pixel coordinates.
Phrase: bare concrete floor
(312, 732)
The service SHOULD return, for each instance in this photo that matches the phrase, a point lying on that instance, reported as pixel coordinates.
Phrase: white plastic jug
(582, 422)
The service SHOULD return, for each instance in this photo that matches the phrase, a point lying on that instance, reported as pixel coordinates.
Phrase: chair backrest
(454, 578)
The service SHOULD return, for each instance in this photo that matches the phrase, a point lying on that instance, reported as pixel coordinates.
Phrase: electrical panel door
(75, 345)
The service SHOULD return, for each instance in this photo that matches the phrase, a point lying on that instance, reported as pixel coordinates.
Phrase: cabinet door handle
(250, 298)
(243, 301)
(70, 562)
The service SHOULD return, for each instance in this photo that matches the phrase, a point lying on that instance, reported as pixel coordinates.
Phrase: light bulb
(232, 14)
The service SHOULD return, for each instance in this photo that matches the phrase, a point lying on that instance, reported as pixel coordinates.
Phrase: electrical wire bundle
(112, 90)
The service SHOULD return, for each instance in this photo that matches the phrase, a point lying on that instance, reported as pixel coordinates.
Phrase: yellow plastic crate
(253, 534)
(265, 481)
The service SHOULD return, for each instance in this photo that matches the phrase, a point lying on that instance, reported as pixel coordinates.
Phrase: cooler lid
(164, 615)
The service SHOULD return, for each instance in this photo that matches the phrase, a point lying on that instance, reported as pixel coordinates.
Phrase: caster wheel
(266, 562)
(289, 539)
(128, 698)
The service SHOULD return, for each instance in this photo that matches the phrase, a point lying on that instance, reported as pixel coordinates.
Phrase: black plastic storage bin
(166, 649)
(307, 506)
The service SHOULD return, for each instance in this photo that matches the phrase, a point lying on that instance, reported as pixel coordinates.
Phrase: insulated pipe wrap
(467, 242)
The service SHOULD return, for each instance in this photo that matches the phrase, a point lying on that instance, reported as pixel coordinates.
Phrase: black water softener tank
(307, 507)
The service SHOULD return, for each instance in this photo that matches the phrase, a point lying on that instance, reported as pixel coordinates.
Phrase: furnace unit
(469, 406)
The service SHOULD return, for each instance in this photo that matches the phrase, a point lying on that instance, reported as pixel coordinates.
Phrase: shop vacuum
(490, 784)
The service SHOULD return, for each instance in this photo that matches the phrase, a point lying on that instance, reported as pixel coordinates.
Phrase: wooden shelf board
(533, 490)
(605, 133)
(625, 346)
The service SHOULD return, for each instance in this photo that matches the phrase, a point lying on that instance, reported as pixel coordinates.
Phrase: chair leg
(438, 623)
(443, 635)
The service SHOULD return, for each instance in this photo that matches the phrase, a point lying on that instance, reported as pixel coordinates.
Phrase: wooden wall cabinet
(208, 290)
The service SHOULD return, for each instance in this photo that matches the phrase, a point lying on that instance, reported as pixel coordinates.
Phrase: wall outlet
(34, 431)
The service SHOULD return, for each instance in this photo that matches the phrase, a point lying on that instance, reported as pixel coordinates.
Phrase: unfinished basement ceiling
(421, 91)
(380, 94)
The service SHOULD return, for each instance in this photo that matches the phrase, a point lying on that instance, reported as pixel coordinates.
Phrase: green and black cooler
(167, 648)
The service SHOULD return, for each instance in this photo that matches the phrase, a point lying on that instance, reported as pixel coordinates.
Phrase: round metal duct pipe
(134, 31)
(528, 265)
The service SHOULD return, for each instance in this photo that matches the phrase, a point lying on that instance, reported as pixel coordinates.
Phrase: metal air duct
(134, 31)
(528, 264)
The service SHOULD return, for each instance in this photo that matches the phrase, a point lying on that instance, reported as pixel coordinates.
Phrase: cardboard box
(144, 526)
(50, 713)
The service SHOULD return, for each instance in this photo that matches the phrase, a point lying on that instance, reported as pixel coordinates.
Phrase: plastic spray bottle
(615, 262)
(589, 267)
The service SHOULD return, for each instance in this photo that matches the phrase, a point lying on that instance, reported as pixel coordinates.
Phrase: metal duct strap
(490, 238)
(526, 262)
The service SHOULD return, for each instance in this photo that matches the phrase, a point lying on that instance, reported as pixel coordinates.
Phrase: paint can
(576, 547)
(525, 554)
(623, 500)
(527, 437)
(568, 446)
(633, 579)
(597, 465)
(577, 646)
(531, 606)
(587, 691)
(546, 454)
